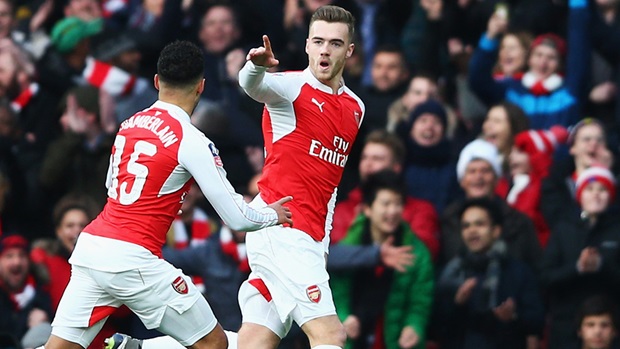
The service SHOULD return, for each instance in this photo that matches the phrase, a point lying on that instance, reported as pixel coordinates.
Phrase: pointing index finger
(266, 43)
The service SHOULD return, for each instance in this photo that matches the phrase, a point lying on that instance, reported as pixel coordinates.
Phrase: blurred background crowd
(477, 209)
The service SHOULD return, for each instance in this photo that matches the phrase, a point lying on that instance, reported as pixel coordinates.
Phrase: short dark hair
(486, 204)
(595, 306)
(335, 14)
(180, 64)
(382, 180)
(73, 202)
(381, 136)
(390, 48)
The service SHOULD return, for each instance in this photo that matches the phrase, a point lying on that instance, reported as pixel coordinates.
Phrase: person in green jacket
(382, 307)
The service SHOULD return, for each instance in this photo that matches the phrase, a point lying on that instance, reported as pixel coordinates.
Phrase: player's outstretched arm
(200, 157)
(284, 213)
(263, 56)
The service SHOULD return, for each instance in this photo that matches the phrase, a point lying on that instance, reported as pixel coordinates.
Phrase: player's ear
(201, 87)
(350, 50)
(156, 82)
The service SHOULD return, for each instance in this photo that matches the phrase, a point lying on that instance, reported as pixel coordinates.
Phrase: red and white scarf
(519, 183)
(234, 249)
(25, 97)
(200, 230)
(541, 87)
(110, 7)
(22, 298)
(109, 78)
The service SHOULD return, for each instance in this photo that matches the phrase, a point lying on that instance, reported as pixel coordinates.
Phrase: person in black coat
(487, 299)
(582, 259)
(22, 303)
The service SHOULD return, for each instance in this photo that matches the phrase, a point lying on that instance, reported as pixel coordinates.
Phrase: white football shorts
(159, 294)
(288, 280)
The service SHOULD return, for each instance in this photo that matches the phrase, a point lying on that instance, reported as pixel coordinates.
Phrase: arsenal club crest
(180, 285)
(357, 116)
(314, 293)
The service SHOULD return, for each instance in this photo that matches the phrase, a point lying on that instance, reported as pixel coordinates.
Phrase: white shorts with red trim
(159, 294)
(288, 280)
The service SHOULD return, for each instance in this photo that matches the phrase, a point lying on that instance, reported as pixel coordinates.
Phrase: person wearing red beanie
(529, 161)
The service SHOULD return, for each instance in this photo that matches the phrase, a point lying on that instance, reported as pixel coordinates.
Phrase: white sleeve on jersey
(108, 176)
(261, 86)
(196, 156)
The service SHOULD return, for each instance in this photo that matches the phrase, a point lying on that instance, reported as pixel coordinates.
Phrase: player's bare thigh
(255, 336)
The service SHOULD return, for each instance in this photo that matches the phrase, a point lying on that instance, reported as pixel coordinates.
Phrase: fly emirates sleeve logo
(332, 153)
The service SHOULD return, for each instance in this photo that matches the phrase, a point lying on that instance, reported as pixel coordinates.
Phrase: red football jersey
(309, 133)
(155, 154)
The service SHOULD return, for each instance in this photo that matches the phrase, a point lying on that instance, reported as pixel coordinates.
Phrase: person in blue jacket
(547, 93)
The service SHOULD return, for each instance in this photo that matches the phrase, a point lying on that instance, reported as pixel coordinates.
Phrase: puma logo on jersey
(320, 105)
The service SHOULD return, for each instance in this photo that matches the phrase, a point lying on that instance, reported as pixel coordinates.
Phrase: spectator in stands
(395, 310)
(421, 88)
(604, 92)
(502, 123)
(530, 162)
(597, 323)
(487, 298)
(512, 55)
(478, 170)
(382, 150)
(119, 51)
(220, 35)
(587, 144)
(35, 124)
(390, 76)
(12, 185)
(581, 259)
(23, 304)
(379, 22)
(77, 162)
(62, 64)
(547, 96)
(50, 257)
(429, 165)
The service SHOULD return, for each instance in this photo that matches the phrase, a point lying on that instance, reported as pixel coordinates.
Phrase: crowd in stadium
(480, 191)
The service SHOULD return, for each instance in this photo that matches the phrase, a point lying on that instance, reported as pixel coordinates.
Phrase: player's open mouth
(324, 64)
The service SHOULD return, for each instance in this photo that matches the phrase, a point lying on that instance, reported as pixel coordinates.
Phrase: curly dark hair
(180, 64)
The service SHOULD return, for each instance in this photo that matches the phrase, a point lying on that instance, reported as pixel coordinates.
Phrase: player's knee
(214, 340)
(218, 341)
(332, 333)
